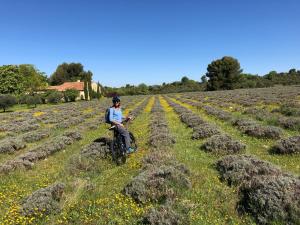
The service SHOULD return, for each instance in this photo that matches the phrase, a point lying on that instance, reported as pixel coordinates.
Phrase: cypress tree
(89, 81)
(86, 93)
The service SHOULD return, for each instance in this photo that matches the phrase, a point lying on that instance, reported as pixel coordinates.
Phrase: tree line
(28, 84)
(184, 85)
(222, 74)
(226, 74)
(18, 79)
(25, 84)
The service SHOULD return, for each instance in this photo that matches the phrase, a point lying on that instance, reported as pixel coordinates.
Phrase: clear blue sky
(150, 41)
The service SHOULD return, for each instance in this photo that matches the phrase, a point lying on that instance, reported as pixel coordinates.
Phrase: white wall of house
(81, 95)
(94, 86)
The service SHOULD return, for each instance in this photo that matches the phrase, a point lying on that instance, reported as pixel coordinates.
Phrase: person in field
(116, 118)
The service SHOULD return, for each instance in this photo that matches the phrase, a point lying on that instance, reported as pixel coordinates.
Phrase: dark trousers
(125, 134)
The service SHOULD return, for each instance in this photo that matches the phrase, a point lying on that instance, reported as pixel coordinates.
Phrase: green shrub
(288, 145)
(45, 95)
(54, 97)
(290, 109)
(223, 144)
(22, 99)
(236, 169)
(71, 95)
(271, 199)
(44, 200)
(157, 184)
(165, 215)
(7, 101)
(33, 100)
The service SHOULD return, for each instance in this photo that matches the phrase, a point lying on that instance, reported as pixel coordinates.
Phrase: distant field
(223, 157)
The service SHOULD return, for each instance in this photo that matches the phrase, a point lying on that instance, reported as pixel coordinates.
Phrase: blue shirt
(115, 114)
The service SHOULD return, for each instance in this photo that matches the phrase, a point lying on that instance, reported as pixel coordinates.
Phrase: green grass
(55, 169)
(104, 204)
(94, 197)
(43, 174)
(240, 114)
(54, 132)
(255, 146)
(211, 201)
(24, 107)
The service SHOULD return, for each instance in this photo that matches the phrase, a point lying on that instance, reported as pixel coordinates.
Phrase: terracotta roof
(68, 85)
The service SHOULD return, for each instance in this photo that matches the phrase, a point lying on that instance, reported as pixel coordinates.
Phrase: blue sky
(150, 41)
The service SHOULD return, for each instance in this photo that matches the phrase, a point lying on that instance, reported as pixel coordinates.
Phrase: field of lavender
(223, 157)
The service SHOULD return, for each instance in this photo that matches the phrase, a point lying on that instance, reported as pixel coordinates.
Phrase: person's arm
(126, 118)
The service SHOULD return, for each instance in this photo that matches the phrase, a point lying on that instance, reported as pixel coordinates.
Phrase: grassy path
(104, 204)
(240, 114)
(19, 184)
(212, 201)
(53, 133)
(25, 108)
(255, 146)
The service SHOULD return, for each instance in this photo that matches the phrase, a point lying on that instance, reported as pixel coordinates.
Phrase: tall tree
(293, 71)
(85, 87)
(11, 82)
(142, 89)
(89, 75)
(271, 75)
(34, 80)
(203, 79)
(66, 72)
(223, 73)
(184, 80)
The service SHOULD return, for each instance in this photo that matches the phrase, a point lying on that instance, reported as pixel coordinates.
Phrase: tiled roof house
(78, 85)
(68, 85)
